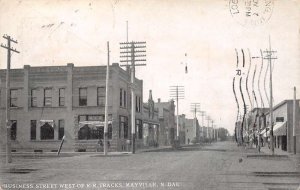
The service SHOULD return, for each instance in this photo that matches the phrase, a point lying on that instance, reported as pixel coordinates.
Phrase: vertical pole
(248, 129)
(294, 120)
(177, 113)
(106, 104)
(271, 101)
(132, 100)
(207, 128)
(8, 123)
(127, 31)
(259, 126)
(203, 124)
(212, 127)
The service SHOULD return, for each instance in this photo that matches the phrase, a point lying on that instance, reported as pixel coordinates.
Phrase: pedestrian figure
(255, 141)
(100, 143)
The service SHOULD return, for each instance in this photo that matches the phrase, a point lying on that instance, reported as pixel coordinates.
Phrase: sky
(57, 32)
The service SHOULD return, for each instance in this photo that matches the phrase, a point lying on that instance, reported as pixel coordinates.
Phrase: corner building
(47, 103)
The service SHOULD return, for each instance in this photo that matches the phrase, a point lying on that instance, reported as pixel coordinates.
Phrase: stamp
(251, 12)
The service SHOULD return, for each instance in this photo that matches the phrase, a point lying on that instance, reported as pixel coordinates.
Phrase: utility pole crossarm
(11, 49)
(177, 92)
(131, 51)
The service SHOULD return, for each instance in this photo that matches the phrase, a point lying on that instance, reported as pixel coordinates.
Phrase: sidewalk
(277, 151)
(69, 154)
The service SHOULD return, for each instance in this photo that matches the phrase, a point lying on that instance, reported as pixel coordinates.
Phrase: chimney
(158, 100)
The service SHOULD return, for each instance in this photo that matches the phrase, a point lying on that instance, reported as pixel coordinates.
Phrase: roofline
(281, 104)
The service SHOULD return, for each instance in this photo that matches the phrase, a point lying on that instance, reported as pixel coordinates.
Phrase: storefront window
(47, 132)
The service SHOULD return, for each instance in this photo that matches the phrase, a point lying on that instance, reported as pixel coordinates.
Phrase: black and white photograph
(153, 94)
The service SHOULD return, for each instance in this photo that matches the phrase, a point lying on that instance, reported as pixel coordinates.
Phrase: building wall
(189, 131)
(182, 129)
(285, 109)
(71, 78)
(166, 113)
(152, 127)
(290, 126)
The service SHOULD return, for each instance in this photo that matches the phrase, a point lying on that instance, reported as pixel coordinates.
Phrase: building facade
(47, 103)
(182, 128)
(151, 127)
(166, 114)
(283, 125)
(192, 131)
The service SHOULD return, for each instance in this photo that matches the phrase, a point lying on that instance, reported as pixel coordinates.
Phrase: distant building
(47, 103)
(182, 132)
(192, 131)
(283, 125)
(166, 114)
(151, 127)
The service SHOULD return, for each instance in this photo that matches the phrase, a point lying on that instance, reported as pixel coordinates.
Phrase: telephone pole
(178, 93)
(213, 130)
(202, 129)
(294, 121)
(106, 103)
(217, 134)
(195, 108)
(269, 57)
(208, 119)
(8, 122)
(132, 50)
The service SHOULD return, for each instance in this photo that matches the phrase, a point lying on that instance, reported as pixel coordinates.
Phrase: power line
(177, 92)
(129, 53)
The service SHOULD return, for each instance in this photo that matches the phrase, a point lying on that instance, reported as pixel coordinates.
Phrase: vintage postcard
(131, 94)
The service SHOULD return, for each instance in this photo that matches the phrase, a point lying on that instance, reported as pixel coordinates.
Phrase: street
(220, 165)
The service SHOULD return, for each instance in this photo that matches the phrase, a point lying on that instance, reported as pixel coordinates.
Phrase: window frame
(121, 97)
(123, 120)
(13, 133)
(42, 136)
(33, 137)
(100, 95)
(125, 98)
(47, 97)
(92, 132)
(61, 97)
(83, 98)
(15, 98)
(33, 98)
(139, 128)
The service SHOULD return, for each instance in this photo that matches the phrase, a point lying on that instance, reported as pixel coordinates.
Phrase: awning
(279, 129)
(50, 122)
(93, 123)
(265, 131)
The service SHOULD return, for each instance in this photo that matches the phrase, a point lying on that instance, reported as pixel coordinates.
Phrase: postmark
(251, 12)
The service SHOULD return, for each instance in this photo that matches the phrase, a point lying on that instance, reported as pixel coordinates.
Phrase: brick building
(182, 133)
(166, 114)
(151, 128)
(192, 131)
(48, 103)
